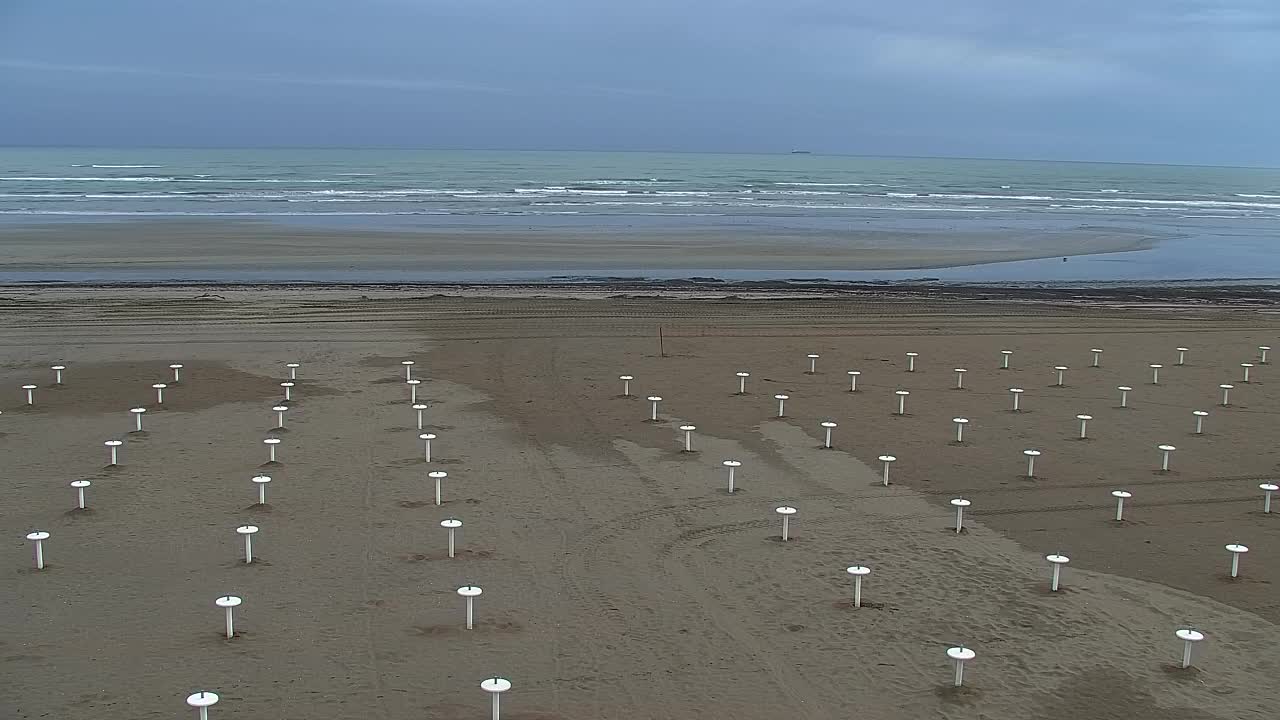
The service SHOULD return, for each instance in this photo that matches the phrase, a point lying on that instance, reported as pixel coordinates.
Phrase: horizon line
(814, 153)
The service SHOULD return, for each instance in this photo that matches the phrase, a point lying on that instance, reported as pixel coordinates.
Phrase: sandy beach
(620, 579)
(167, 249)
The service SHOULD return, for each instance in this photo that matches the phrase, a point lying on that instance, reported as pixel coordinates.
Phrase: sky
(1176, 81)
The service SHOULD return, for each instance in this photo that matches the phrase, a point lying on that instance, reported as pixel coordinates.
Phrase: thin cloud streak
(337, 81)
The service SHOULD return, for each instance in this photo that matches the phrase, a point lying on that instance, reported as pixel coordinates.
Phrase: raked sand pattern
(620, 579)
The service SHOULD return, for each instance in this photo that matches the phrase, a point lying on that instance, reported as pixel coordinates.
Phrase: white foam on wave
(123, 166)
(967, 196)
(798, 193)
(561, 190)
(130, 196)
(1184, 203)
(404, 191)
(230, 213)
(832, 184)
(625, 181)
(86, 179)
(150, 178)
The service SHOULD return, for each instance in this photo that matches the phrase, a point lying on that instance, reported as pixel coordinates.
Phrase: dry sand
(620, 580)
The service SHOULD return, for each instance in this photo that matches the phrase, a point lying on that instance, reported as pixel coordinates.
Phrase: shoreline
(1188, 293)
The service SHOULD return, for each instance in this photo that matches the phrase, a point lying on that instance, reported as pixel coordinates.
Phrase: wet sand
(196, 250)
(620, 579)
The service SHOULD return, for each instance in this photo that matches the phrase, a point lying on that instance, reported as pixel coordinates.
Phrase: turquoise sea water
(1216, 222)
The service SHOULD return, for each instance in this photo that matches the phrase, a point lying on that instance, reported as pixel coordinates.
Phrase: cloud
(382, 83)
(969, 66)
(1085, 79)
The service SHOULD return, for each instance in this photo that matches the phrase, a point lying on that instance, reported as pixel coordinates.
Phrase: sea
(1213, 223)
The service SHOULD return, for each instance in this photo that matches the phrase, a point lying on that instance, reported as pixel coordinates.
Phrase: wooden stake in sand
(57, 373)
(38, 537)
(960, 423)
(288, 390)
(247, 531)
(1245, 367)
(887, 460)
(853, 380)
(419, 407)
(1031, 461)
(31, 393)
(911, 361)
(280, 410)
(626, 384)
(202, 701)
(1097, 357)
(1200, 416)
(1165, 450)
(960, 504)
(137, 417)
(1236, 550)
(426, 439)
(413, 389)
(1262, 349)
(1057, 561)
(80, 485)
(1084, 425)
(688, 437)
(293, 369)
(786, 511)
(653, 410)
(408, 369)
(960, 377)
(451, 524)
(229, 603)
(115, 447)
(495, 686)
(1120, 496)
(271, 444)
(177, 372)
(732, 465)
(828, 426)
(261, 481)
(1267, 489)
(902, 400)
(1062, 369)
(858, 572)
(159, 388)
(813, 364)
(1124, 395)
(470, 592)
(1016, 393)
(1226, 394)
(742, 382)
(1189, 637)
(959, 656)
(1182, 355)
(782, 404)
(1004, 359)
(438, 476)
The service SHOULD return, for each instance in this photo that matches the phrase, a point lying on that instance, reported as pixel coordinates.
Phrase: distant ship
(801, 152)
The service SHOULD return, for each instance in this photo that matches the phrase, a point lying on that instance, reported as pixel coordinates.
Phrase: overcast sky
(1182, 81)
